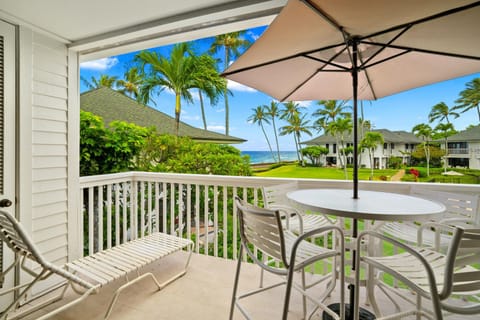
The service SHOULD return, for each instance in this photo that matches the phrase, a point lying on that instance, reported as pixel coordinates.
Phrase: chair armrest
(438, 228)
(288, 212)
(411, 250)
(455, 221)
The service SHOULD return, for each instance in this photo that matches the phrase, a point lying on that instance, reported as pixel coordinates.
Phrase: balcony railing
(119, 207)
(458, 151)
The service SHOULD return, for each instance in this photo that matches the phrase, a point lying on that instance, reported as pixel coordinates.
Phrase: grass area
(295, 171)
(469, 176)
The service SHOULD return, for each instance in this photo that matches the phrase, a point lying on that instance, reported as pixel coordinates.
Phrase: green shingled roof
(112, 105)
(388, 136)
(471, 134)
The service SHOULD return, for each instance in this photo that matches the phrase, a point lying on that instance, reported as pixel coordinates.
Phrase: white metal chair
(275, 198)
(100, 269)
(462, 210)
(263, 229)
(296, 220)
(13, 235)
(430, 274)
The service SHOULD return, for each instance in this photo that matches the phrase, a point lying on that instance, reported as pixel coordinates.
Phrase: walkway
(398, 176)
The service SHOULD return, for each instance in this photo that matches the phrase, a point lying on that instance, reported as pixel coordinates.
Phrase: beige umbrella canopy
(324, 49)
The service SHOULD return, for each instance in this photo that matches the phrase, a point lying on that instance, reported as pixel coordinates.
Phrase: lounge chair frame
(85, 275)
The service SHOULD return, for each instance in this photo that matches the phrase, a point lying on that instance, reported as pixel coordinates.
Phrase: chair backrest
(15, 237)
(276, 195)
(459, 205)
(263, 229)
(464, 250)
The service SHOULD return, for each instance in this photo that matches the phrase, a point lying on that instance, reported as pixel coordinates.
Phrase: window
(392, 146)
(334, 148)
(385, 146)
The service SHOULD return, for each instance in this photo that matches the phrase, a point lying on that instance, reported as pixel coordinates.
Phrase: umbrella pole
(355, 118)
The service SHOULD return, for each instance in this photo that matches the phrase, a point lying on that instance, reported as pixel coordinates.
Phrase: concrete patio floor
(203, 293)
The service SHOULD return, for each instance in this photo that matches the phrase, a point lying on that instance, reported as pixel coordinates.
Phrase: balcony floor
(203, 293)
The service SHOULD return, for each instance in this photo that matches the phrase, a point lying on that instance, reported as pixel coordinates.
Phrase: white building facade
(396, 144)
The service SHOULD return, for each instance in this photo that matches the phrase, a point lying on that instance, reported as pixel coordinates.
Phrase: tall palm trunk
(178, 108)
(427, 156)
(298, 150)
(296, 147)
(225, 93)
(276, 138)
(268, 141)
(202, 108)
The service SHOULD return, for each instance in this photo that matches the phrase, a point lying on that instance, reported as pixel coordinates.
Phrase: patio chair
(263, 229)
(15, 237)
(296, 220)
(101, 268)
(441, 278)
(462, 210)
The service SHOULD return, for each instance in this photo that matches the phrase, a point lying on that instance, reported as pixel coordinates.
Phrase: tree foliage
(315, 154)
(125, 146)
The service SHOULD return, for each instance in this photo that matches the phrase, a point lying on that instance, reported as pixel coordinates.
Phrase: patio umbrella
(350, 49)
(323, 49)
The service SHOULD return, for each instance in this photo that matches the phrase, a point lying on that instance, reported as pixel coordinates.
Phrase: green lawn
(295, 171)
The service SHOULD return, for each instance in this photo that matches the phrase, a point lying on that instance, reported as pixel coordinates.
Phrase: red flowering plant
(415, 172)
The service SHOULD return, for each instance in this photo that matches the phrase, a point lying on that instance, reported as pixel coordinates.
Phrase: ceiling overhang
(98, 29)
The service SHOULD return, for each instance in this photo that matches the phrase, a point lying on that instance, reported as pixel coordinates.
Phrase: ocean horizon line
(260, 156)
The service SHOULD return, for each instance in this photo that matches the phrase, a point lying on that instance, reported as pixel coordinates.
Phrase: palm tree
(425, 132)
(273, 112)
(178, 73)
(445, 130)
(339, 129)
(231, 43)
(370, 142)
(131, 83)
(331, 110)
(290, 110)
(103, 81)
(441, 112)
(470, 98)
(209, 82)
(296, 126)
(260, 117)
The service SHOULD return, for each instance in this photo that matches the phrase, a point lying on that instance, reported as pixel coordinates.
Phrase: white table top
(371, 205)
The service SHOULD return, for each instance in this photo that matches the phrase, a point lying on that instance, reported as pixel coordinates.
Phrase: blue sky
(401, 111)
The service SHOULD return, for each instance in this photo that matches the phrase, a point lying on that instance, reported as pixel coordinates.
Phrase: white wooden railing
(123, 206)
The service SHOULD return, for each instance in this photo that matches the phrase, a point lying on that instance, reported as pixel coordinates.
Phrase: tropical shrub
(125, 146)
(394, 162)
(315, 154)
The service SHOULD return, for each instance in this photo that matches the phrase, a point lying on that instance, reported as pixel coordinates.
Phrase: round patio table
(370, 205)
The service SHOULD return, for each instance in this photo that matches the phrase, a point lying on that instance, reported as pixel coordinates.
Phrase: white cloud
(235, 86)
(220, 110)
(100, 64)
(306, 104)
(216, 128)
(253, 35)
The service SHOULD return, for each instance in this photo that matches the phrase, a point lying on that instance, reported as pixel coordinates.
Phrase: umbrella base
(335, 307)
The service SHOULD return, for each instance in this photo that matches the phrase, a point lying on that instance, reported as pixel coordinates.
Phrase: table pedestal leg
(349, 309)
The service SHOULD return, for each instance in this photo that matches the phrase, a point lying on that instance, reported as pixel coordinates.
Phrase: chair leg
(371, 290)
(235, 284)
(303, 296)
(288, 291)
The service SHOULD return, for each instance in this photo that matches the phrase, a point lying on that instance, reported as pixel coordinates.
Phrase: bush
(395, 162)
(126, 146)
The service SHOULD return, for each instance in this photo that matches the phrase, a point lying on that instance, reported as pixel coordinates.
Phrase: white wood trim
(75, 227)
(25, 137)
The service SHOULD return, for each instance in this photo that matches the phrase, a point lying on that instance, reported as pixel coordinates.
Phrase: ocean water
(266, 156)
